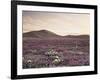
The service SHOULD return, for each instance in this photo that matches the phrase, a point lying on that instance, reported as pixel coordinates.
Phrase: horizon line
(69, 34)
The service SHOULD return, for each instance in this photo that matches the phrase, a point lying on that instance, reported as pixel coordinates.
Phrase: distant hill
(49, 34)
(41, 34)
(77, 36)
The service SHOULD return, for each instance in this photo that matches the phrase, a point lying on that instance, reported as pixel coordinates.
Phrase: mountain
(49, 34)
(77, 36)
(41, 34)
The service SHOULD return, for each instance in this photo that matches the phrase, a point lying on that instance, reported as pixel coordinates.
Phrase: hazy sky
(59, 23)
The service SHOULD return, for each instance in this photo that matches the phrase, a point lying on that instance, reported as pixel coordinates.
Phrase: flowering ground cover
(55, 52)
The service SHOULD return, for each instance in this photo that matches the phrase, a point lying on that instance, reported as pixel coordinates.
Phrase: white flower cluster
(51, 52)
(54, 54)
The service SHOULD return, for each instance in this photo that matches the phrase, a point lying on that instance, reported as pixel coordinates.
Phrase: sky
(60, 23)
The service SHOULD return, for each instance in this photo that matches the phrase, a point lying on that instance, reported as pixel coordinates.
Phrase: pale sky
(59, 23)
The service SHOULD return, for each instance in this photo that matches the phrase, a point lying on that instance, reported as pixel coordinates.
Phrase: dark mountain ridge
(77, 36)
(49, 34)
(40, 34)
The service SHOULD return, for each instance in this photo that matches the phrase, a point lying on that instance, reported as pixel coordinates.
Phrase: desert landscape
(55, 39)
(44, 49)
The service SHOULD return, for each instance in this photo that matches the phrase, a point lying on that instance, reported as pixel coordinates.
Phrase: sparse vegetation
(55, 52)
